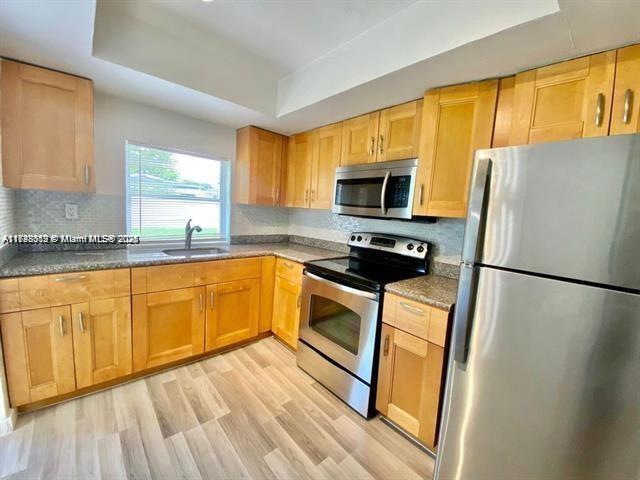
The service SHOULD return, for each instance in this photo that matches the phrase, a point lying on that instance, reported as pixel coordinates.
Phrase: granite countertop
(434, 290)
(43, 263)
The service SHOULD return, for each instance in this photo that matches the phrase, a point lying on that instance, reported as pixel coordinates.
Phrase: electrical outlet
(71, 211)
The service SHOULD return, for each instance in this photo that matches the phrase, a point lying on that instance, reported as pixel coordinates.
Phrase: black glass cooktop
(371, 274)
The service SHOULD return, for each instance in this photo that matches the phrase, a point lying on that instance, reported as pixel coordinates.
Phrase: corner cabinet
(47, 129)
(258, 166)
(456, 121)
(412, 366)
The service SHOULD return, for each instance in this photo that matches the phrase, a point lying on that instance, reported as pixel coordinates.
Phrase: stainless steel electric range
(341, 312)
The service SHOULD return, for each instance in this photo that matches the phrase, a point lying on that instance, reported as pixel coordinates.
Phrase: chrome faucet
(188, 233)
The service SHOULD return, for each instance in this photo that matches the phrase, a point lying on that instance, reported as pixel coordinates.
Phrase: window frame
(225, 197)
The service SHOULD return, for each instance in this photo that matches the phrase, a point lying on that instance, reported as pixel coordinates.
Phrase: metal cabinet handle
(288, 265)
(201, 298)
(306, 196)
(373, 145)
(411, 308)
(74, 278)
(386, 345)
(383, 193)
(313, 195)
(212, 298)
(628, 103)
(599, 109)
(421, 194)
(61, 325)
(81, 321)
(299, 301)
(86, 174)
(381, 143)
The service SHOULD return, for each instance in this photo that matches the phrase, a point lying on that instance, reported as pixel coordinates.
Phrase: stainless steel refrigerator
(543, 377)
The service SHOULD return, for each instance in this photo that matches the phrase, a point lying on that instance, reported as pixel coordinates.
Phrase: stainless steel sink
(193, 252)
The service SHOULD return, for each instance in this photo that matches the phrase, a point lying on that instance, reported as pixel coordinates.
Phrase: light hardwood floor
(249, 413)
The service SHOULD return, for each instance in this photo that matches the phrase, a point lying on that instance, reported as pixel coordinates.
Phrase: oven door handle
(344, 288)
(383, 194)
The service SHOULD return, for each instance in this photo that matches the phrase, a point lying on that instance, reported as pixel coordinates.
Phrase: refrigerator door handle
(464, 310)
(475, 215)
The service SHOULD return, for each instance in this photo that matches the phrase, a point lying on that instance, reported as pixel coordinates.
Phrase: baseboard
(8, 423)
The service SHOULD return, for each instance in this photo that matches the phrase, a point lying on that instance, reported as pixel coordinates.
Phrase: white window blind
(166, 188)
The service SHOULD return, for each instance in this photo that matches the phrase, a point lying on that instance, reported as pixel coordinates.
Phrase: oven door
(382, 190)
(340, 322)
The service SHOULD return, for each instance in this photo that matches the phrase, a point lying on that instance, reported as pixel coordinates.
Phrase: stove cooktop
(359, 272)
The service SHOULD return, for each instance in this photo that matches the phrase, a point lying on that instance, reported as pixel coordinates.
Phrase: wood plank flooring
(246, 414)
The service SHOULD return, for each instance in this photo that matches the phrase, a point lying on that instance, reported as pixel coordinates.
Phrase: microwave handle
(383, 194)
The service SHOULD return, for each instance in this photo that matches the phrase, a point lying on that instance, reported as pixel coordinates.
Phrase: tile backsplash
(37, 211)
(446, 234)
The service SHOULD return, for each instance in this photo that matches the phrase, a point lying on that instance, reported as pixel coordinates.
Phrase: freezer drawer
(550, 386)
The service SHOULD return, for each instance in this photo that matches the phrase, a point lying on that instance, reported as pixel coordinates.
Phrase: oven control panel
(409, 247)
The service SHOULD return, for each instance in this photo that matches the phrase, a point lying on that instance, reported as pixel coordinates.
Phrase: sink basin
(193, 252)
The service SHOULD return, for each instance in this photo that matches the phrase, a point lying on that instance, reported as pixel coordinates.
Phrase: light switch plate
(71, 211)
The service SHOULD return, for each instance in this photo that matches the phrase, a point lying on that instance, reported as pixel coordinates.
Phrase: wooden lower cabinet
(409, 383)
(38, 352)
(101, 340)
(286, 310)
(167, 326)
(233, 310)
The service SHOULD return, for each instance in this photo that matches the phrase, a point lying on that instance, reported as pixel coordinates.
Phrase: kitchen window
(166, 187)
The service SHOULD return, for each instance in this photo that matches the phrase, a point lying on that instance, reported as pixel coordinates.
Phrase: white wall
(117, 121)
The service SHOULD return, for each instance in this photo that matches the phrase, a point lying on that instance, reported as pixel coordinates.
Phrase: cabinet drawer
(413, 317)
(34, 292)
(206, 273)
(416, 318)
(289, 270)
(162, 277)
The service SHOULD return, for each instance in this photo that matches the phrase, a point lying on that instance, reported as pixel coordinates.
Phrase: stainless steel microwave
(376, 189)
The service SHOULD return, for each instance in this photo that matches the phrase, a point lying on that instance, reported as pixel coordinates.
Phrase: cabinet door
(101, 340)
(297, 175)
(456, 121)
(399, 134)
(360, 139)
(258, 167)
(409, 384)
(563, 101)
(233, 312)
(326, 157)
(47, 129)
(38, 354)
(625, 117)
(286, 311)
(167, 326)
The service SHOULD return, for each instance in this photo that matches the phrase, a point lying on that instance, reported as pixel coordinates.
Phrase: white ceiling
(289, 33)
(296, 64)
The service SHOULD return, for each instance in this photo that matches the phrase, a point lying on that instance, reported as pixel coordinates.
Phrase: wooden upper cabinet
(258, 166)
(563, 101)
(297, 174)
(38, 352)
(456, 121)
(167, 326)
(409, 383)
(326, 157)
(399, 132)
(47, 129)
(625, 116)
(504, 110)
(232, 312)
(101, 340)
(360, 139)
